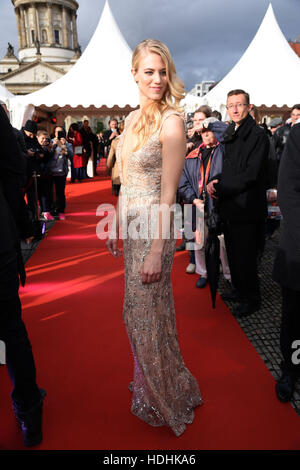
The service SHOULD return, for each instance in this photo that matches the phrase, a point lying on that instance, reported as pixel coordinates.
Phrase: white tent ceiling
(100, 78)
(269, 70)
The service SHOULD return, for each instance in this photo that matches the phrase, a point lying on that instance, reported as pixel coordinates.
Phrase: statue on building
(37, 45)
(10, 51)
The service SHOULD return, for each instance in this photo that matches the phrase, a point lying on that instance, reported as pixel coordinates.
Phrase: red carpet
(72, 306)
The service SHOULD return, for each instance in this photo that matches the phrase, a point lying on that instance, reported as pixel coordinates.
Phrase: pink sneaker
(61, 217)
(47, 216)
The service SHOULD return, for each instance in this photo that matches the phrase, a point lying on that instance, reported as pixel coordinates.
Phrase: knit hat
(30, 126)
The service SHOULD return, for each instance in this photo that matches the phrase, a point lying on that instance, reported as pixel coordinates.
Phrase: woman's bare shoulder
(172, 122)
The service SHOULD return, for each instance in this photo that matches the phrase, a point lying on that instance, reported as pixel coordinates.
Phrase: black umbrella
(212, 259)
(212, 248)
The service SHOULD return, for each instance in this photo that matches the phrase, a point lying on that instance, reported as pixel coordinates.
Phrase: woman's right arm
(110, 159)
(113, 238)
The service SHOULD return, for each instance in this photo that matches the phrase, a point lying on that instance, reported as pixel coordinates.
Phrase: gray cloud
(206, 38)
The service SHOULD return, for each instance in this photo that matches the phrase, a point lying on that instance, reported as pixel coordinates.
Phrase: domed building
(48, 45)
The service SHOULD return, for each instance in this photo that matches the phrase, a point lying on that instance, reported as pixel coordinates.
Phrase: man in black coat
(241, 191)
(26, 396)
(287, 264)
(111, 134)
(29, 132)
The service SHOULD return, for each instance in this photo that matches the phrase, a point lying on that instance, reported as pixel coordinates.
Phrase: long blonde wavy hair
(151, 115)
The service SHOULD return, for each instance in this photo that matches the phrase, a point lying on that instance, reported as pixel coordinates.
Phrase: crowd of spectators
(49, 159)
(230, 176)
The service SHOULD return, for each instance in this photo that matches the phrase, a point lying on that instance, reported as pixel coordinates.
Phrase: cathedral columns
(65, 27)
(35, 23)
(23, 42)
(74, 28)
(18, 13)
(50, 29)
(49, 26)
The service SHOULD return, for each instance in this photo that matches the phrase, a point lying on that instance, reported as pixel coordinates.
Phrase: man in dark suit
(287, 264)
(241, 191)
(111, 134)
(26, 396)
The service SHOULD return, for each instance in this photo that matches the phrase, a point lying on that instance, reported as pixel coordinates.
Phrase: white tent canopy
(100, 78)
(269, 70)
(191, 102)
(5, 95)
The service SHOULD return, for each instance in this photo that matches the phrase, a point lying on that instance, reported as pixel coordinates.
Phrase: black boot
(285, 387)
(30, 422)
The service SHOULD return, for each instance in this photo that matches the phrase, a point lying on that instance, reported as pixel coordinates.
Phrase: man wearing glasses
(241, 192)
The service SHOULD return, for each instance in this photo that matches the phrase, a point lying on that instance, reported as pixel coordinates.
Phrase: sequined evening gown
(164, 391)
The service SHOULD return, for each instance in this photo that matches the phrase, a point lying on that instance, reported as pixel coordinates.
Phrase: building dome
(47, 28)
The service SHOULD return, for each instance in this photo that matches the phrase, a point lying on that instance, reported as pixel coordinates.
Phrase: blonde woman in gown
(150, 155)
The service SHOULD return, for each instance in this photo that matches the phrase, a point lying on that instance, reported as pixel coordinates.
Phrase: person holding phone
(44, 181)
(59, 168)
(79, 159)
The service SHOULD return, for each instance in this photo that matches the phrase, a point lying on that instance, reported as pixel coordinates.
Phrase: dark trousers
(290, 331)
(32, 201)
(74, 174)
(60, 185)
(45, 193)
(95, 163)
(271, 226)
(19, 358)
(116, 189)
(78, 174)
(243, 244)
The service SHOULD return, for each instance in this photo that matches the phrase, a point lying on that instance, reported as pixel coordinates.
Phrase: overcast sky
(206, 38)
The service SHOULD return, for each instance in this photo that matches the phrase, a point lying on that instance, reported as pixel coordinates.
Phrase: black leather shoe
(202, 281)
(245, 309)
(285, 387)
(30, 422)
(231, 296)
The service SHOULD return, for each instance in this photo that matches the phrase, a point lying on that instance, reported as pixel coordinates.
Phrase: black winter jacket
(13, 215)
(242, 188)
(287, 263)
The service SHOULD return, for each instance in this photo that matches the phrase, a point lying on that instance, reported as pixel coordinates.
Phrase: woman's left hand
(151, 269)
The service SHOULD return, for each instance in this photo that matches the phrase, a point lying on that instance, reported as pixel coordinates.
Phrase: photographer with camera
(44, 180)
(29, 132)
(58, 166)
